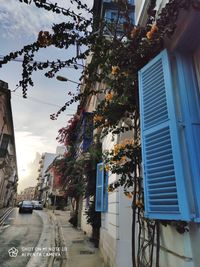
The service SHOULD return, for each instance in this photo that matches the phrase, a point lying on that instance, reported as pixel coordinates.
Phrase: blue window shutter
(164, 187)
(99, 187)
(190, 104)
(105, 200)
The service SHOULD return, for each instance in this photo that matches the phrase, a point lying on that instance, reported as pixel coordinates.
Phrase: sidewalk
(4, 210)
(80, 251)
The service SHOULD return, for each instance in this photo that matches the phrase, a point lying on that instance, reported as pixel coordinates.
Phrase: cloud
(20, 24)
(19, 19)
(30, 178)
(26, 146)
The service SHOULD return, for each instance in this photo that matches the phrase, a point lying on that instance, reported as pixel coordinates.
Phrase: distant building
(26, 194)
(8, 161)
(47, 180)
(60, 150)
(45, 161)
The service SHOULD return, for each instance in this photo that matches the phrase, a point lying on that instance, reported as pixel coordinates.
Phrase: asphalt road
(22, 231)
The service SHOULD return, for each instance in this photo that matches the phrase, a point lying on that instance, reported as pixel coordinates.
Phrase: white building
(46, 178)
(180, 202)
(43, 183)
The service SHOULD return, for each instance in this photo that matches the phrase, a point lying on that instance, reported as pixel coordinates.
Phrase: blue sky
(34, 131)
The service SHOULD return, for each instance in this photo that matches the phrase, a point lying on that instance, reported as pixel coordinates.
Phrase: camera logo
(13, 252)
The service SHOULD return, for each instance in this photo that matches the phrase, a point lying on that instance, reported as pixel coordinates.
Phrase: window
(170, 139)
(87, 123)
(131, 2)
(4, 145)
(101, 201)
(111, 16)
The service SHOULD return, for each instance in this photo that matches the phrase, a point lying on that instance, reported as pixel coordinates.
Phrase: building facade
(27, 194)
(48, 185)
(8, 160)
(43, 179)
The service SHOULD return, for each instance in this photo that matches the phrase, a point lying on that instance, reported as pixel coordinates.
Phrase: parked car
(37, 205)
(18, 205)
(26, 206)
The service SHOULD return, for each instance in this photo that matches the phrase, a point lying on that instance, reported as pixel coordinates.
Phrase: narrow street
(21, 231)
(100, 133)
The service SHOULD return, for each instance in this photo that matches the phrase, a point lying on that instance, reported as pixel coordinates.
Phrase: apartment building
(8, 160)
(169, 113)
(47, 179)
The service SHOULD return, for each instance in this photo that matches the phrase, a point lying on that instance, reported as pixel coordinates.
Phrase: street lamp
(64, 79)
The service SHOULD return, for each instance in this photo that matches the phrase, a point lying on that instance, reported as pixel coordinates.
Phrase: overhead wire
(79, 66)
(44, 103)
(35, 99)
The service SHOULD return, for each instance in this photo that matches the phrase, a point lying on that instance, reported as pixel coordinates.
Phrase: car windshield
(27, 202)
(36, 202)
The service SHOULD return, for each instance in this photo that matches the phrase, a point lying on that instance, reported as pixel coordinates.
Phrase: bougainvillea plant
(67, 135)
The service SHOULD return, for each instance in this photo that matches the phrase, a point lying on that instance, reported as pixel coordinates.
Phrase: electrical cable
(79, 66)
(44, 103)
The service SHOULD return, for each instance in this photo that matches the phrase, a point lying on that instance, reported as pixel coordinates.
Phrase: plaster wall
(115, 233)
(84, 225)
(48, 159)
(125, 232)
(108, 248)
(138, 7)
(175, 248)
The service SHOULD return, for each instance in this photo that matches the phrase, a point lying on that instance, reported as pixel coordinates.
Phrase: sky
(35, 133)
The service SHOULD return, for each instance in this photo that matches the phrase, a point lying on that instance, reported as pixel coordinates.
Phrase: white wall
(84, 225)
(125, 230)
(115, 234)
(48, 159)
(175, 248)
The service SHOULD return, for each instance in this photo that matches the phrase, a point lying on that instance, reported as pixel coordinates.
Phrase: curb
(5, 214)
(60, 240)
(66, 256)
(36, 261)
